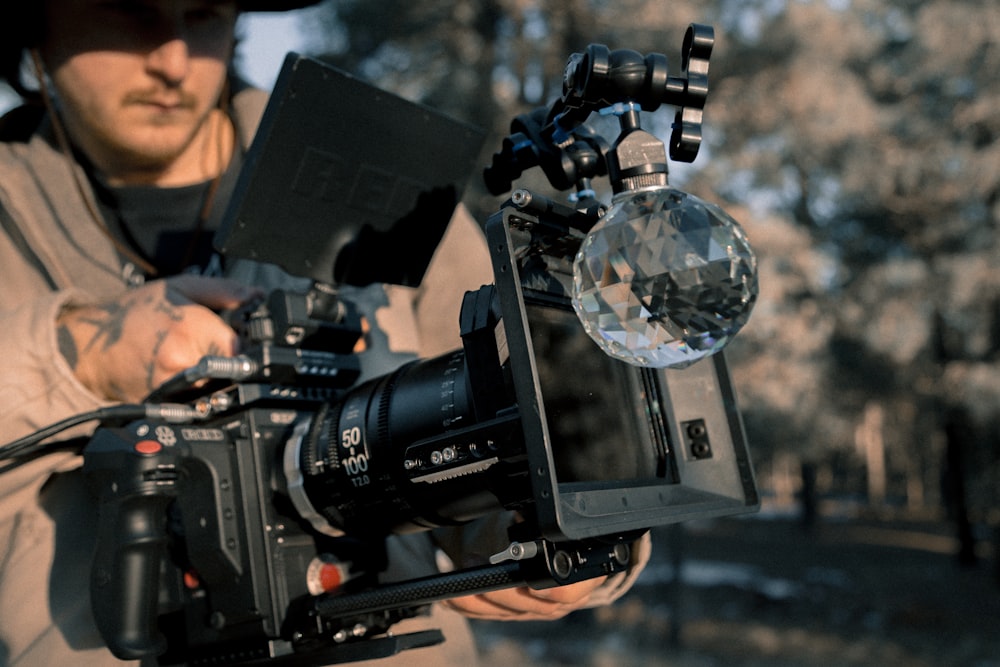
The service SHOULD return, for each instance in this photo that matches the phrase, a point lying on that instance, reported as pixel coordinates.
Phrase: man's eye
(150, 14)
(133, 10)
(204, 15)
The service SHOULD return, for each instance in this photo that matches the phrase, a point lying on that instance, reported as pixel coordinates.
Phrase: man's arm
(38, 387)
(123, 349)
(66, 355)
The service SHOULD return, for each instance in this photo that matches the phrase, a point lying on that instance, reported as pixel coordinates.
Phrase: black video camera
(255, 534)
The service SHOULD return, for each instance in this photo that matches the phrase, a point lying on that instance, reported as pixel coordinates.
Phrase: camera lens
(377, 461)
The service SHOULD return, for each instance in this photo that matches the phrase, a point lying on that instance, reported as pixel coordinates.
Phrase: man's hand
(526, 604)
(123, 349)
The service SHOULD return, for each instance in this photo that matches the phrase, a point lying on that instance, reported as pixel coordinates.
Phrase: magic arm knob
(690, 91)
(522, 150)
(135, 481)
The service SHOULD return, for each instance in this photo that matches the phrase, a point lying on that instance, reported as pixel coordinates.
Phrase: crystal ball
(664, 278)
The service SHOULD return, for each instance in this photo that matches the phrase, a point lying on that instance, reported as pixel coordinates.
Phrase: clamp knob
(685, 139)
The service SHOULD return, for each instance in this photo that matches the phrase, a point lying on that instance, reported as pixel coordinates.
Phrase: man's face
(136, 79)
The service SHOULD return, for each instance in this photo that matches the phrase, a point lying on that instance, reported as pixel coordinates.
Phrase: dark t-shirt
(168, 227)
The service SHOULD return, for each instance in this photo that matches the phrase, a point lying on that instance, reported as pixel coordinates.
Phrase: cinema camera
(251, 529)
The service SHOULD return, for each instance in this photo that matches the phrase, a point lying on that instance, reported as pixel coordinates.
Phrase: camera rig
(255, 533)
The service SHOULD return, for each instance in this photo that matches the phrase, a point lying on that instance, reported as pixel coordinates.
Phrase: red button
(148, 447)
(331, 577)
(191, 580)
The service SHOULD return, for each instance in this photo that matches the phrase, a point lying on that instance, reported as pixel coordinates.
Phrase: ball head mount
(600, 79)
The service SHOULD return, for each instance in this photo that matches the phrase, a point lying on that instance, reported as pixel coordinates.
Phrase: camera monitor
(345, 183)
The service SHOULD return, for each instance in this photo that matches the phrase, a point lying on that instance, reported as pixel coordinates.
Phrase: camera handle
(541, 564)
(135, 482)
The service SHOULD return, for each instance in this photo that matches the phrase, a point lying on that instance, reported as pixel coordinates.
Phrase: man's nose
(170, 61)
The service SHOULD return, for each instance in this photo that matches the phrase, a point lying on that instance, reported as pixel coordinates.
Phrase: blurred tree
(857, 140)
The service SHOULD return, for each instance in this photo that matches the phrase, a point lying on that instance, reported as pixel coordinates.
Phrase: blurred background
(858, 142)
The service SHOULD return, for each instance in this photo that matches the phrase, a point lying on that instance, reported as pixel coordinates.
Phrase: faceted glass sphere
(664, 278)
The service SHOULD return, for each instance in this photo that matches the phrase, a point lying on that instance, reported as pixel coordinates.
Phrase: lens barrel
(376, 461)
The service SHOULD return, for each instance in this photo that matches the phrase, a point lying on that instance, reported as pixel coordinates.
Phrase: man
(110, 188)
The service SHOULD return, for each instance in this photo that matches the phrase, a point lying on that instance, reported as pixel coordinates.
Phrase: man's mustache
(173, 98)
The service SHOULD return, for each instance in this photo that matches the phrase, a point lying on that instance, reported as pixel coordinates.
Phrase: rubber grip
(134, 480)
(124, 582)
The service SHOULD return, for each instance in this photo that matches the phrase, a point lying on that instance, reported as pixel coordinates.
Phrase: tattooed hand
(123, 349)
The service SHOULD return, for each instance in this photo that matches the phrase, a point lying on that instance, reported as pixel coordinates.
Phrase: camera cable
(33, 445)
